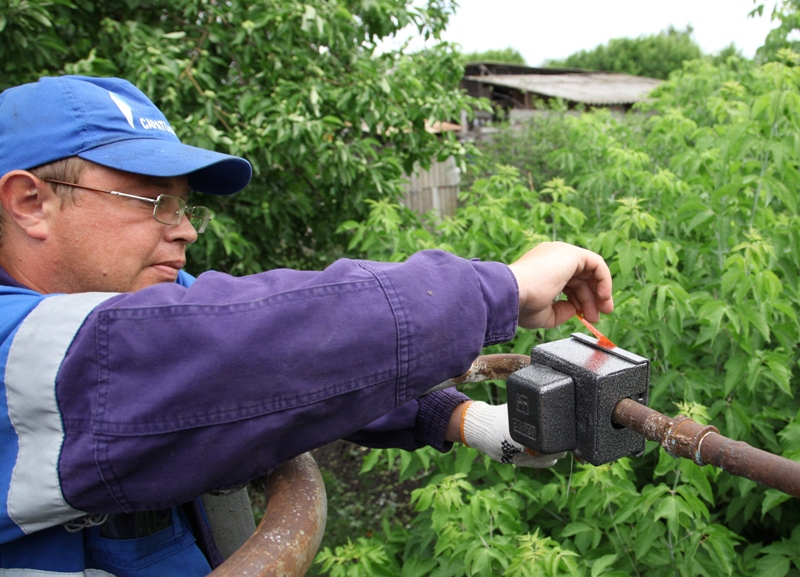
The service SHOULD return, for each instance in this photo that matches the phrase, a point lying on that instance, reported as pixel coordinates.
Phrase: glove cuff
(463, 420)
(478, 424)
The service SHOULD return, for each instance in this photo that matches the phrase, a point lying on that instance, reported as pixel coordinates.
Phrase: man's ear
(26, 202)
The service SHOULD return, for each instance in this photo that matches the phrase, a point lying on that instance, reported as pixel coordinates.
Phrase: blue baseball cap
(110, 122)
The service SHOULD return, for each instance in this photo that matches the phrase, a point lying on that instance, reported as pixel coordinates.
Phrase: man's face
(101, 242)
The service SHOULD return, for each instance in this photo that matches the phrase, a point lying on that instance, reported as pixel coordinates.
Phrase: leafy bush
(655, 56)
(508, 55)
(697, 214)
(524, 145)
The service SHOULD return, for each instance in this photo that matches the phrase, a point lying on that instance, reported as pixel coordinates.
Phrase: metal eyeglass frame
(199, 214)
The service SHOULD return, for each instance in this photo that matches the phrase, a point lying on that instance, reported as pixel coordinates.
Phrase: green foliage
(506, 55)
(359, 559)
(524, 145)
(654, 56)
(695, 208)
(298, 88)
(787, 14)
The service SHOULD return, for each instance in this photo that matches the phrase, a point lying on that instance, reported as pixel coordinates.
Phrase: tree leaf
(599, 566)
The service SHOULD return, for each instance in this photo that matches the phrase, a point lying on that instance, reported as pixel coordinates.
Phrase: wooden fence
(435, 189)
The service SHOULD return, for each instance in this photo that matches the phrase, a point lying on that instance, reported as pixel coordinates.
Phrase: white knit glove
(485, 427)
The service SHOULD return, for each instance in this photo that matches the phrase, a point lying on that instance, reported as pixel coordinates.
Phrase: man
(133, 388)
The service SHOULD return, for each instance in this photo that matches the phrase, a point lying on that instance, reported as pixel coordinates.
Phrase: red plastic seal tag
(602, 341)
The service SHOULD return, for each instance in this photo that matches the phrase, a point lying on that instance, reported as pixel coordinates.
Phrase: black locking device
(565, 399)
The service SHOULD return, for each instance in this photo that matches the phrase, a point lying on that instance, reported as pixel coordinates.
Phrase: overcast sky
(549, 29)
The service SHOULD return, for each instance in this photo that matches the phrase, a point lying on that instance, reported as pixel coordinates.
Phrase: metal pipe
(488, 368)
(289, 535)
(683, 437)
(680, 436)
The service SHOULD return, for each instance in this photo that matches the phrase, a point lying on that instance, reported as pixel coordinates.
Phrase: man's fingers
(562, 312)
(584, 300)
(552, 268)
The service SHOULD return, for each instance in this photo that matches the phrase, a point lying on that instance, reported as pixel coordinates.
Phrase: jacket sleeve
(169, 392)
(413, 425)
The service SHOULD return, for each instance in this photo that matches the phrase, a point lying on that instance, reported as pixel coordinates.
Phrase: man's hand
(485, 427)
(551, 268)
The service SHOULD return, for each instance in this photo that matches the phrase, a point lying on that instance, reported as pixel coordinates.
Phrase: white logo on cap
(126, 110)
(150, 124)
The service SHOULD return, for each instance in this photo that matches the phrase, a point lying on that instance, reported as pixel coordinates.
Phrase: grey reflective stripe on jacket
(35, 500)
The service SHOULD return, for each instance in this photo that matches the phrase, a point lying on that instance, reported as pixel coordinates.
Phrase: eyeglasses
(167, 209)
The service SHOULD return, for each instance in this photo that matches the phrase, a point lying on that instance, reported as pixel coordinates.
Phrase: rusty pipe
(488, 368)
(289, 535)
(682, 437)
(679, 436)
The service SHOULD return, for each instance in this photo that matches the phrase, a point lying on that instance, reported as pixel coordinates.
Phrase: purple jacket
(172, 392)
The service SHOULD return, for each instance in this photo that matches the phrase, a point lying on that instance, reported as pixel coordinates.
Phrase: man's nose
(183, 231)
